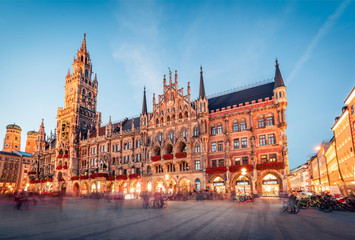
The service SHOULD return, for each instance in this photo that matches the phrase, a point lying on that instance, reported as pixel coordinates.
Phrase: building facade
(12, 139)
(179, 146)
(299, 178)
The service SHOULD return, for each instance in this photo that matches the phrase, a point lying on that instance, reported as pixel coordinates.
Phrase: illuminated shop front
(242, 186)
(219, 184)
(270, 186)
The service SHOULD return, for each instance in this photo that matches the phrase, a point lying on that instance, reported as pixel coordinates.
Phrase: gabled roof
(246, 95)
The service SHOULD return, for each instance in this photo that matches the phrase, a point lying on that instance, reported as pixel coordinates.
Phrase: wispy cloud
(322, 32)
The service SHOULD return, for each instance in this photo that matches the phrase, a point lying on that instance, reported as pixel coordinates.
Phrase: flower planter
(121, 177)
(59, 156)
(181, 155)
(168, 156)
(58, 167)
(238, 168)
(65, 167)
(66, 155)
(75, 178)
(31, 173)
(110, 178)
(32, 181)
(61, 180)
(96, 175)
(133, 176)
(155, 158)
(216, 170)
(84, 177)
(270, 165)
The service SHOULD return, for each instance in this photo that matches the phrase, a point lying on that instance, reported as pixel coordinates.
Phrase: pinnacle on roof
(279, 82)
(202, 86)
(83, 45)
(144, 107)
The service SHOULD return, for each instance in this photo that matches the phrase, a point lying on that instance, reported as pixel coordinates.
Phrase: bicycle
(146, 204)
(154, 204)
(291, 208)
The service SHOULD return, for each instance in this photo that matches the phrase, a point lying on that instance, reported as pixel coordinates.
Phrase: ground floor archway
(110, 187)
(84, 188)
(271, 185)
(184, 185)
(242, 185)
(159, 185)
(218, 184)
(171, 185)
(76, 190)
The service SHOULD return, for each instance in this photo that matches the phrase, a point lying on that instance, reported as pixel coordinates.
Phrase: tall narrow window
(262, 140)
(269, 121)
(272, 158)
(271, 138)
(243, 125)
(213, 130)
(219, 129)
(263, 158)
(220, 146)
(237, 161)
(261, 123)
(235, 127)
(197, 148)
(244, 143)
(245, 160)
(236, 143)
(198, 165)
(214, 147)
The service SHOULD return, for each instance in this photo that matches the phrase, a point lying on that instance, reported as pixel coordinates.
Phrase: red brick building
(179, 146)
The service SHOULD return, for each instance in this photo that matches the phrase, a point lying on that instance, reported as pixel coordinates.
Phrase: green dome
(13, 126)
(31, 133)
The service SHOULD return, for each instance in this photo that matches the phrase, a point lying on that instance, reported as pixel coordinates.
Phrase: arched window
(198, 184)
(162, 120)
(168, 119)
(180, 116)
(182, 147)
(184, 132)
(157, 121)
(173, 117)
(186, 115)
(261, 122)
(86, 73)
(158, 169)
(243, 125)
(197, 148)
(169, 149)
(213, 130)
(159, 137)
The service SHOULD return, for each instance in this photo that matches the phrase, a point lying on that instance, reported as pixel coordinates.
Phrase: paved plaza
(100, 219)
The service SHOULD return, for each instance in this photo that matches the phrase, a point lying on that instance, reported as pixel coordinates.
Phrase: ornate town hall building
(179, 146)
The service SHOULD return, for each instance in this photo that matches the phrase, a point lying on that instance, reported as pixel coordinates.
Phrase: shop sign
(218, 183)
(242, 182)
(269, 182)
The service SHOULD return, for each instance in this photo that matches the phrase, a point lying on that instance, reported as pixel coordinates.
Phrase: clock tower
(78, 117)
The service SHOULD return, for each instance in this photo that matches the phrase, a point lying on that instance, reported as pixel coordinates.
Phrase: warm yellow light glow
(27, 184)
(317, 148)
(47, 183)
(149, 186)
(244, 171)
(167, 176)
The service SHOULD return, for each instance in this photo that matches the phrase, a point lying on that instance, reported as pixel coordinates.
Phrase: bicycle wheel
(326, 207)
(284, 206)
(158, 204)
(293, 209)
(145, 204)
(241, 199)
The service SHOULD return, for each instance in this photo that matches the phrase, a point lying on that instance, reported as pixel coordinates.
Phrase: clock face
(65, 130)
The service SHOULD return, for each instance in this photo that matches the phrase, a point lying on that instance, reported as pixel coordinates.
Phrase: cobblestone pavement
(100, 219)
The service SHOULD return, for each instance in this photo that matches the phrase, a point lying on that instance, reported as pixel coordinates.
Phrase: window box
(66, 155)
(133, 176)
(216, 170)
(61, 180)
(97, 175)
(59, 156)
(65, 167)
(110, 178)
(238, 168)
(168, 156)
(270, 165)
(121, 177)
(155, 158)
(84, 177)
(58, 167)
(75, 178)
(181, 155)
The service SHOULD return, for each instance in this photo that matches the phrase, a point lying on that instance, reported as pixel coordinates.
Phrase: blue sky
(132, 44)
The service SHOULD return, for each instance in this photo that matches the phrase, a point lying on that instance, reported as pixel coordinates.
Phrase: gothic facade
(232, 141)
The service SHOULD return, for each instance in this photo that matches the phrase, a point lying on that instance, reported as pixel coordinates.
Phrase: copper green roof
(13, 126)
(31, 133)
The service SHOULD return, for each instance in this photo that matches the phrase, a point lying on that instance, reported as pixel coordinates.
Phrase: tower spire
(202, 86)
(279, 82)
(144, 107)
(83, 45)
